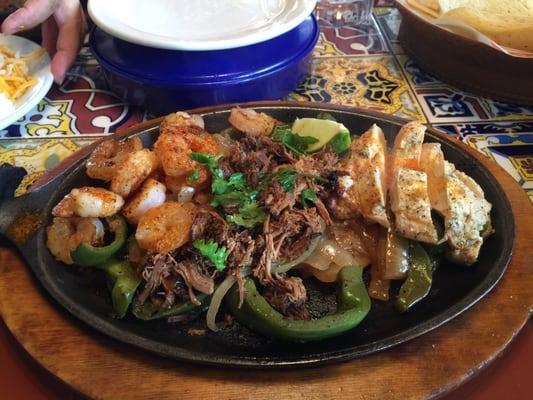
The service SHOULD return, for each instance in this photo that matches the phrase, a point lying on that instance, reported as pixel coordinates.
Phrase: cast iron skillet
(455, 288)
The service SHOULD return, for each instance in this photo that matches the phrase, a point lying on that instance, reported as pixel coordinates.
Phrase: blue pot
(164, 81)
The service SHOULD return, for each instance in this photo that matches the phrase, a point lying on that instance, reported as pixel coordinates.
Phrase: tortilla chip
(428, 7)
(508, 10)
(515, 32)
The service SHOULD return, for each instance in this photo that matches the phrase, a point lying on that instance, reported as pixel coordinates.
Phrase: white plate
(39, 69)
(198, 24)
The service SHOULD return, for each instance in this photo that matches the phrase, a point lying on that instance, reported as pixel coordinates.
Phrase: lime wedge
(323, 130)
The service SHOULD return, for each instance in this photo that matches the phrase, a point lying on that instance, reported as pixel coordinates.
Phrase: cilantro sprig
(308, 197)
(298, 145)
(215, 253)
(232, 191)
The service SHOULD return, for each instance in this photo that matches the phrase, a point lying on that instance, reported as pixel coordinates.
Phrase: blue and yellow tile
(38, 156)
(371, 82)
(502, 111)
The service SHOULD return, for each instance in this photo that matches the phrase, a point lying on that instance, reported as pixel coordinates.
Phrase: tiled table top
(360, 67)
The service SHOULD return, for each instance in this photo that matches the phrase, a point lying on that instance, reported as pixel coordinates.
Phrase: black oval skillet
(455, 288)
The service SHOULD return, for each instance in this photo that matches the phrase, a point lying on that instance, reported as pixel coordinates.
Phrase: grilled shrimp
(152, 194)
(173, 150)
(251, 122)
(104, 160)
(176, 183)
(133, 171)
(92, 202)
(165, 228)
(65, 234)
(180, 118)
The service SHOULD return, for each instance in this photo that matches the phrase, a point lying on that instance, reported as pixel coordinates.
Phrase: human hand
(63, 28)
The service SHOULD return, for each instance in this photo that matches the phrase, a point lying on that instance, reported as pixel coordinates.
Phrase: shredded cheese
(14, 77)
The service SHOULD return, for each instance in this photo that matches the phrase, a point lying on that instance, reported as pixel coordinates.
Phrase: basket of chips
(482, 46)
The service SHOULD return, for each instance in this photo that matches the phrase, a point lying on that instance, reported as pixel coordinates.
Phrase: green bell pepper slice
(87, 255)
(148, 311)
(125, 283)
(259, 315)
(419, 278)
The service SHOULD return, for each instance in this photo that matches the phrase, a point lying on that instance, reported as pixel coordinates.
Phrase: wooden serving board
(424, 368)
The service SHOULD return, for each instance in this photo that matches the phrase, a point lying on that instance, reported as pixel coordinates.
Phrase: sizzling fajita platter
(268, 235)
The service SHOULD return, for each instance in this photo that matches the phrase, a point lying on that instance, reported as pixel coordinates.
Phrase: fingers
(70, 24)
(49, 32)
(30, 15)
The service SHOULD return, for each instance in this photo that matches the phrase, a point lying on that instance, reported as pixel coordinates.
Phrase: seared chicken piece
(251, 122)
(432, 162)
(363, 188)
(407, 147)
(408, 188)
(410, 204)
(460, 200)
(468, 218)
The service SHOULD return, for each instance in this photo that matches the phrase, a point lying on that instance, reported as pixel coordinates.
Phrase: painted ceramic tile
(346, 40)
(389, 20)
(475, 128)
(421, 80)
(498, 110)
(444, 105)
(372, 82)
(37, 156)
(418, 77)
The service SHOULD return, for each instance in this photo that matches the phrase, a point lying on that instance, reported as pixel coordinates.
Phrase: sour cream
(6, 106)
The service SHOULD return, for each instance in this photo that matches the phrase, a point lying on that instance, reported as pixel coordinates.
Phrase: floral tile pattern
(371, 82)
(359, 66)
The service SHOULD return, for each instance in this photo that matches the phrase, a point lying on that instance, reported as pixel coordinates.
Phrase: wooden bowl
(465, 63)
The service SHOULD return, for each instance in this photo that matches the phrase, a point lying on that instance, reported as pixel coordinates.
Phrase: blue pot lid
(204, 67)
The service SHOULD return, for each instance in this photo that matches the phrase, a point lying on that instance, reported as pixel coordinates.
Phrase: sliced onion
(216, 301)
(394, 251)
(328, 275)
(378, 288)
(281, 268)
(349, 236)
(321, 257)
(218, 296)
(224, 142)
(185, 194)
(329, 251)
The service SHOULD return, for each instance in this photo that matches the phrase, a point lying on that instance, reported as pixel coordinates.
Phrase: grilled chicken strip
(363, 187)
(432, 162)
(408, 189)
(460, 200)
